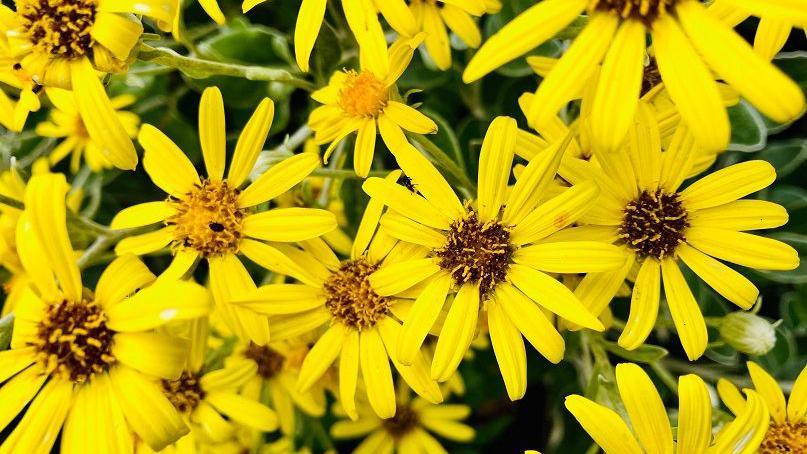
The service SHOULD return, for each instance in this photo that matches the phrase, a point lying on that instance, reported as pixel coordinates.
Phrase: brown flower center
(73, 340)
(363, 95)
(785, 438)
(654, 224)
(403, 422)
(269, 360)
(651, 76)
(644, 10)
(185, 393)
(477, 252)
(351, 299)
(208, 219)
(59, 27)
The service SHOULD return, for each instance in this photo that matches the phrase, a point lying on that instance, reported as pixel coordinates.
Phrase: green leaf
(644, 354)
(785, 156)
(6, 329)
(748, 130)
(791, 197)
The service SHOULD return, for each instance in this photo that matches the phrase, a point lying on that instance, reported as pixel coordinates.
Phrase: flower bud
(748, 333)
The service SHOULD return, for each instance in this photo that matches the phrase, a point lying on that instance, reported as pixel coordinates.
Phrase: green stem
(197, 68)
(665, 376)
(445, 162)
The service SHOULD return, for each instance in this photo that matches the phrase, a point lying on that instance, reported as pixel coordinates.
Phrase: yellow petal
(744, 249)
(364, 149)
(603, 425)
(99, 117)
(571, 257)
(154, 354)
(142, 214)
(416, 373)
(117, 32)
(157, 305)
(556, 213)
(146, 242)
(42, 422)
(281, 299)
(769, 389)
(694, 415)
(437, 40)
(495, 165)
(645, 408)
(730, 396)
(399, 276)
(165, 163)
(212, 132)
(289, 224)
(730, 284)
(250, 142)
(405, 202)
(531, 185)
(405, 229)
(421, 318)
(524, 33)
(797, 402)
(531, 322)
(230, 280)
(348, 375)
(462, 24)
(741, 215)
(278, 179)
(376, 373)
(771, 36)
(746, 432)
(322, 355)
(18, 392)
(458, 331)
(508, 346)
(243, 411)
(728, 184)
(398, 15)
(643, 305)
(409, 118)
(686, 313)
(121, 278)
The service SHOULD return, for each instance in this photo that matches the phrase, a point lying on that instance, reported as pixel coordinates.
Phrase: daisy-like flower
(775, 22)
(367, 102)
(212, 218)
(62, 43)
(275, 368)
(436, 18)
(788, 428)
(651, 426)
(688, 44)
(360, 326)
(65, 123)
(410, 430)
(657, 225)
(84, 359)
(495, 251)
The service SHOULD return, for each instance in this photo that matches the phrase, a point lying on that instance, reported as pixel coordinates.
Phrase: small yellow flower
(688, 44)
(212, 218)
(82, 358)
(788, 428)
(775, 22)
(64, 43)
(651, 426)
(657, 225)
(65, 122)
(410, 430)
(14, 112)
(495, 250)
(365, 102)
(361, 328)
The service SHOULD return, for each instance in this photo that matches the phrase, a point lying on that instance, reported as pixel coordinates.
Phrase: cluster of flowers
(560, 217)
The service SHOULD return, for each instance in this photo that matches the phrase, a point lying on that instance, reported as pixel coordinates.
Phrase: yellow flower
(366, 102)
(361, 330)
(62, 43)
(410, 430)
(775, 22)
(643, 210)
(788, 428)
(83, 359)
(14, 113)
(688, 44)
(651, 427)
(212, 218)
(433, 16)
(66, 123)
(275, 368)
(496, 250)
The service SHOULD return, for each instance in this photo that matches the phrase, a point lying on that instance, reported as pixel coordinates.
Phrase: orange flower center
(404, 421)
(73, 340)
(785, 438)
(363, 95)
(208, 219)
(351, 299)
(185, 393)
(269, 360)
(59, 27)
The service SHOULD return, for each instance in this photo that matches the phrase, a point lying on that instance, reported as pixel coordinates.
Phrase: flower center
(477, 252)
(208, 219)
(73, 340)
(269, 360)
(351, 299)
(654, 224)
(185, 393)
(785, 438)
(59, 27)
(403, 422)
(651, 76)
(363, 95)
(644, 10)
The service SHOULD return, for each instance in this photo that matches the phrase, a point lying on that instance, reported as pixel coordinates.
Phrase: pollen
(59, 27)
(785, 438)
(363, 95)
(405, 420)
(477, 252)
(185, 393)
(351, 299)
(654, 224)
(269, 360)
(645, 10)
(73, 340)
(208, 219)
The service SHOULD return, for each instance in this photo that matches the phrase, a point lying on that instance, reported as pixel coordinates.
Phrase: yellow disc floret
(208, 219)
(644, 10)
(785, 437)
(73, 340)
(363, 95)
(59, 27)
(185, 392)
(351, 299)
